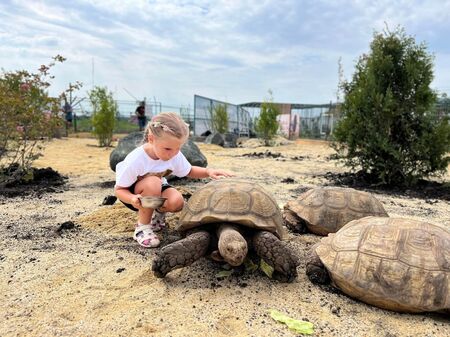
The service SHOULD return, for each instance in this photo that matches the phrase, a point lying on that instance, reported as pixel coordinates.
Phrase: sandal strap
(143, 228)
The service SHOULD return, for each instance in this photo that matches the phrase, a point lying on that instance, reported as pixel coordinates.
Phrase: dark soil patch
(424, 189)
(65, 226)
(106, 184)
(266, 154)
(295, 192)
(40, 181)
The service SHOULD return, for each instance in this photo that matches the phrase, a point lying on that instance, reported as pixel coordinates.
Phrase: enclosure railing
(316, 121)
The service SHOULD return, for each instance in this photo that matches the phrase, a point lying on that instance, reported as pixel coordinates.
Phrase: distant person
(142, 173)
(140, 113)
(68, 114)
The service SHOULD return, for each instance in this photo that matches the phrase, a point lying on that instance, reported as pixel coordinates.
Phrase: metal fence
(316, 121)
(126, 119)
(302, 120)
(239, 121)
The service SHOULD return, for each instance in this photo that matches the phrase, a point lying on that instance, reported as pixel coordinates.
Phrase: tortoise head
(232, 245)
(315, 269)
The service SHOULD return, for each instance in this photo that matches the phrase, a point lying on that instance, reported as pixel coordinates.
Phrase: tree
(266, 124)
(28, 117)
(389, 128)
(219, 118)
(103, 114)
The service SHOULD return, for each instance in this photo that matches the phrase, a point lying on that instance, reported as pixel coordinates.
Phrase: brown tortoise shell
(393, 263)
(232, 200)
(327, 209)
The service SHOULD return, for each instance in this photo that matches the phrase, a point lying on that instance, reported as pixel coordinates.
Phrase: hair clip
(163, 126)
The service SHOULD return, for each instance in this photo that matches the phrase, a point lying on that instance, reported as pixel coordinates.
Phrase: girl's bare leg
(149, 186)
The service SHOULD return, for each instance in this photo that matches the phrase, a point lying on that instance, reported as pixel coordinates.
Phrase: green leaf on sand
(306, 328)
(224, 273)
(250, 266)
(266, 268)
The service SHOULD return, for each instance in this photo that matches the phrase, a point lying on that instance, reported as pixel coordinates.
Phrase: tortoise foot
(181, 253)
(277, 254)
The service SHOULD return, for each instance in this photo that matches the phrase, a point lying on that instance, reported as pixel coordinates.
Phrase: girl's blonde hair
(166, 123)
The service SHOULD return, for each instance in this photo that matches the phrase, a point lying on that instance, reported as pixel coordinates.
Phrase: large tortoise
(242, 215)
(325, 210)
(393, 263)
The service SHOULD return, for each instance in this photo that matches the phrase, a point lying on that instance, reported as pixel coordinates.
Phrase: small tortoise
(325, 210)
(242, 215)
(392, 263)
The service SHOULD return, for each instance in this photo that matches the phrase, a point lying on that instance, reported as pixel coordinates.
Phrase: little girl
(142, 173)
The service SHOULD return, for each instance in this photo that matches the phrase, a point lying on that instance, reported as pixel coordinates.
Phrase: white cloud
(232, 49)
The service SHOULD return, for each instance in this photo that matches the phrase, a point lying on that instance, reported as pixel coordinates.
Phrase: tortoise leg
(315, 270)
(181, 253)
(277, 254)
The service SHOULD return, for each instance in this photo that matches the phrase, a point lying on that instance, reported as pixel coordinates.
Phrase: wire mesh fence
(126, 118)
(239, 121)
(314, 121)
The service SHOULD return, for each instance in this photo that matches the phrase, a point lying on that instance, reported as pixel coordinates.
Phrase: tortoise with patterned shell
(324, 210)
(229, 217)
(392, 263)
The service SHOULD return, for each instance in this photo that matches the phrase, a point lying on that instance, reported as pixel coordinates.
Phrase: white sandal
(144, 235)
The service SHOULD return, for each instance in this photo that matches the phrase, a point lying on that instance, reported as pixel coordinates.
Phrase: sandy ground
(94, 280)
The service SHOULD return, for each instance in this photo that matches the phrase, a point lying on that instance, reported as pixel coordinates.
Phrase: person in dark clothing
(140, 113)
(68, 115)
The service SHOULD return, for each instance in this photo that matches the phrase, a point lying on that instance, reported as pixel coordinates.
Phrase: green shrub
(103, 114)
(266, 124)
(28, 116)
(219, 118)
(389, 128)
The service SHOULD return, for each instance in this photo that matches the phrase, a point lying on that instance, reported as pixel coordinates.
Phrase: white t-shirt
(138, 164)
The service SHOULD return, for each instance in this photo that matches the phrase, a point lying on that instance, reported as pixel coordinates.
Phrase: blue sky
(229, 50)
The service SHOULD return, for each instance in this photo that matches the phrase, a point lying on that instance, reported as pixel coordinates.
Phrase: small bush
(389, 128)
(266, 124)
(28, 116)
(103, 114)
(219, 118)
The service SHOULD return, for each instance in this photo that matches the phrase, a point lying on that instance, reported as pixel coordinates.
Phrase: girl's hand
(216, 174)
(135, 201)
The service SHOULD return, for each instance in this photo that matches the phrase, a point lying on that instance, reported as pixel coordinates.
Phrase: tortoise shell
(232, 200)
(393, 263)
(327, 209)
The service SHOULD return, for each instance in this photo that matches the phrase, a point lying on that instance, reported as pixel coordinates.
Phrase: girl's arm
(202, 172)
(124, 194)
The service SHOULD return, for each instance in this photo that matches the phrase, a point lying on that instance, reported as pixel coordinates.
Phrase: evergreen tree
(219, 118)
(266, 124)
(104, 114)
(389, 128)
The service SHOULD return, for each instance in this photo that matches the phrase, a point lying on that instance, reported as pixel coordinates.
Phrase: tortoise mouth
(236, 261)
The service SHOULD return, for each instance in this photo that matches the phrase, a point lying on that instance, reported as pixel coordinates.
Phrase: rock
(133, 140)
(215, 138)
(231, 140)
(225, 140)
(109, 200)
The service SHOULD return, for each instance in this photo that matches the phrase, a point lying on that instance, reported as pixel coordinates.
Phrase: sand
(94, 280)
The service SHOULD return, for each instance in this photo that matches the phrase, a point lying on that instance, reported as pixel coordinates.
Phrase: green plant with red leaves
(28, 117)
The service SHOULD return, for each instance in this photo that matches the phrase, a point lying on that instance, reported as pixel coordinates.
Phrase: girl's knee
(149, 186)
(174, 204)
